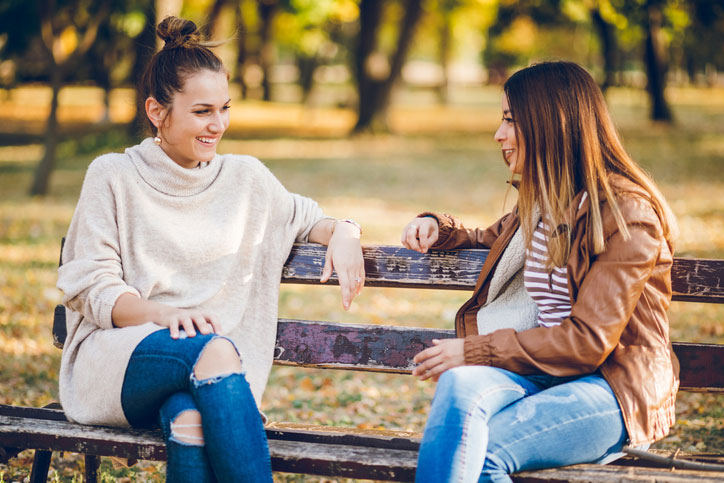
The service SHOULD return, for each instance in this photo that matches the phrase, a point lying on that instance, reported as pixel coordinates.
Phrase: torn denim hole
(212, 380)
(218, 378)
(175, 436)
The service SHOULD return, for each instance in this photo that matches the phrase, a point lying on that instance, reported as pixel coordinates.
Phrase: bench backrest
(391, 348)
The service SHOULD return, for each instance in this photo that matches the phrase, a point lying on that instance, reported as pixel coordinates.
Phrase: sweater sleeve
(454, 235)
(91, 276)
(604, 304)
(296, 213)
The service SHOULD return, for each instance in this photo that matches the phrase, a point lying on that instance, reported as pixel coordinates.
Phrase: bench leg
(92, 462)
(41, 466)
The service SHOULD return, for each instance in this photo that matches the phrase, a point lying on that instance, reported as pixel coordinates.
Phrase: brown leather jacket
(618, 321)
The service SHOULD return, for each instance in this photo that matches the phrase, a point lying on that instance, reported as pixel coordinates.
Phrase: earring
(157, 139)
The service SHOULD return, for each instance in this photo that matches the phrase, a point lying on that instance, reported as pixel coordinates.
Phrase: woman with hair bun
(563, 353)
(171, 275)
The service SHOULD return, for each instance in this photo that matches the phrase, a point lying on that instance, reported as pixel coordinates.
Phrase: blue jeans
(486, 423)
(160, 384)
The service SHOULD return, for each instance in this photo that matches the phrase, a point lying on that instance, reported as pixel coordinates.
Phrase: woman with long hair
(171, 274)
(562, 354)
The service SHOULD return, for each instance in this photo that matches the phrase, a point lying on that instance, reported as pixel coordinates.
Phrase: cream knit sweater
(214, 238)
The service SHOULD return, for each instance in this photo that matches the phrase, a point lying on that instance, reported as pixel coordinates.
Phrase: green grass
(440, 158)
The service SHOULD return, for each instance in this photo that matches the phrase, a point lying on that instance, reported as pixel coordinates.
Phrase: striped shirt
(548, 289)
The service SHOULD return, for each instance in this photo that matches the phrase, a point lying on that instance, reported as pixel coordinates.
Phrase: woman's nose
(216, 123)
(500, 134)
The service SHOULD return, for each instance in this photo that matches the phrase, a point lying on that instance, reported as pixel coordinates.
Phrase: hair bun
(178, 32)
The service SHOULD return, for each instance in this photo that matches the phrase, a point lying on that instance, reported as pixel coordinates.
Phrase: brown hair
(184, 53)
(571, 145)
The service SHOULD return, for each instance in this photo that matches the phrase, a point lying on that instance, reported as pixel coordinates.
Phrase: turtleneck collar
(166, 176)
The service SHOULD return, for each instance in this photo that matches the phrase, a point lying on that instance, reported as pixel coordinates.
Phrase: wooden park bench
(370, 454)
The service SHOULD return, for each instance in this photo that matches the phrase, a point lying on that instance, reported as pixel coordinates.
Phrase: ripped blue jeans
(160, 384)
(486, 423)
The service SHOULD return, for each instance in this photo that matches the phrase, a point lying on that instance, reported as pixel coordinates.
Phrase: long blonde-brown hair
(570, 145)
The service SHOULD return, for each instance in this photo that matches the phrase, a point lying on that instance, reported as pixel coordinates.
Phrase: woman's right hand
(131, 310)
(188, 320)
(420, 234)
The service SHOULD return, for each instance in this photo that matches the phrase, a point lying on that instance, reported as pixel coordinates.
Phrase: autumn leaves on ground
(440, 158)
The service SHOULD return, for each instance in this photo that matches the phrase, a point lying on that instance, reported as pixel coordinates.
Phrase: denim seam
(468, 417)
(581, 418)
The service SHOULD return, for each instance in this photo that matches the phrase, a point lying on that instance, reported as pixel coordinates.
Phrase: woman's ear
(155, 112)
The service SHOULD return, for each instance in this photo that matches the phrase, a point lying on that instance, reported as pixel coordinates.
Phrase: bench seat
(299, 448)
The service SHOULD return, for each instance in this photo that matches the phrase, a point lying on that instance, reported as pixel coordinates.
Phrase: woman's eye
(203, 111)
(508, 119)
(226, 108)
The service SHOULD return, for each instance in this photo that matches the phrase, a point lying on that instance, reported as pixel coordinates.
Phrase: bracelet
(351, 222)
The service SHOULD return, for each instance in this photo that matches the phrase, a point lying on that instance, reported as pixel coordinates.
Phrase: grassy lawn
(440, 158)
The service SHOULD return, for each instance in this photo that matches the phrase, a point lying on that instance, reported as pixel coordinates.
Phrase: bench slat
(693, 280)
(698, 280)
(382, 348)
(615, 474)
(372, 438)
(390, 266)
(378, 348)
(324, 459)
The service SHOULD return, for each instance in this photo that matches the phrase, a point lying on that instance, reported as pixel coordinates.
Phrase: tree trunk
(58, 67)
(444, 56)
(41, 180)
(267, 9)
(307, 65)
(607, 37)
(370, 16)
(101, 59)
(211, 27)
(656, 64)
(374, 94)
(145, 46)
(241, 49)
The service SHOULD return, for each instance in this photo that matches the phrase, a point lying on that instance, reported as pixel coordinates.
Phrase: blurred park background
(378, 110)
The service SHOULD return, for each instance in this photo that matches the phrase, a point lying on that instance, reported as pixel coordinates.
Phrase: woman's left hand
(344, 255)
(443, 355)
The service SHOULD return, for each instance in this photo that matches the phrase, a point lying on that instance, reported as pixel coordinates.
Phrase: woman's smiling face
(506, 135)
(198, 116)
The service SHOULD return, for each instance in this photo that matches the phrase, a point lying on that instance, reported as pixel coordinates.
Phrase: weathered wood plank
(277, 430)
(53, 435)
(327, 459)
(380, 348)
(693, 280)
(702, 366)
(391, 349)
(616, 474)
(392, 266)
(374, 438)
(53, 414)
(343, 461)
(698, 280)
